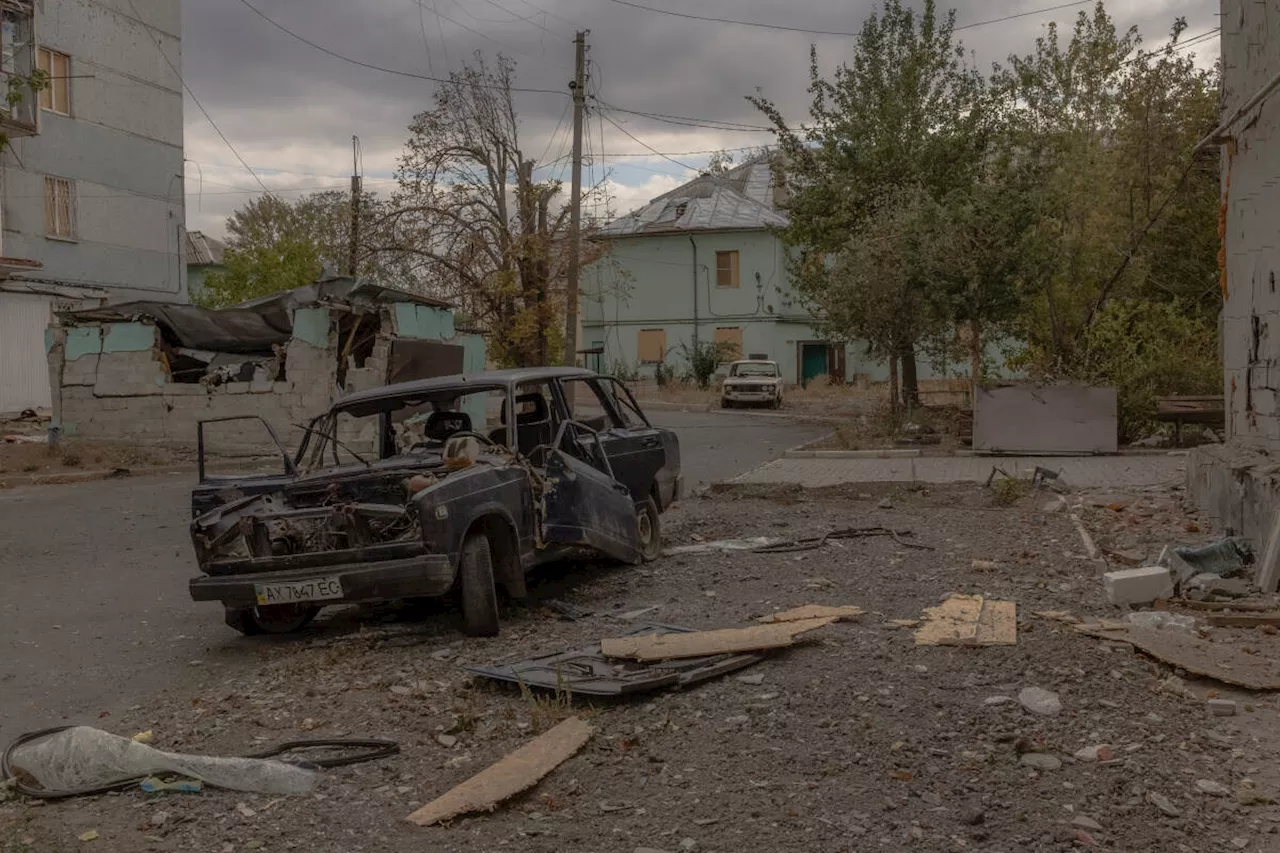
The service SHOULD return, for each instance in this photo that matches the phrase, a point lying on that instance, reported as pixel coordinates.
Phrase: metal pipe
(1219, 133)
(695, 291)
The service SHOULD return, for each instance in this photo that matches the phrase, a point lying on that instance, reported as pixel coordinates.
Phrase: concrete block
(1138, 586)
(1028, 418)
(1222, 707)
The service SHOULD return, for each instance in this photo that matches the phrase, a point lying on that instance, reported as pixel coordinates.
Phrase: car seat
(532, 428)
(441, 425)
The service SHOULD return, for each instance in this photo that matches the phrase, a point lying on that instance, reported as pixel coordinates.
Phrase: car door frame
(635, 453)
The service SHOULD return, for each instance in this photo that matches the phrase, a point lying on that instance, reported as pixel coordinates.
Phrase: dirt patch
(70, 456)
(854, 739)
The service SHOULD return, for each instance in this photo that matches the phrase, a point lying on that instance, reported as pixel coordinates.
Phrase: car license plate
(317, 589)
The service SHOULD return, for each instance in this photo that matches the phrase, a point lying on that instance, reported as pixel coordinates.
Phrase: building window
(59, 208)
(56, 97)
(651, 346)
(731, 339)
(726, 269)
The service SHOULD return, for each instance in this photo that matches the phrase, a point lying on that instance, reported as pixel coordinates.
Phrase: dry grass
(76, 456)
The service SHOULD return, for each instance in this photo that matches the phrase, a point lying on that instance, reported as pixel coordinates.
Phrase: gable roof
(201, 250)
(744, 198)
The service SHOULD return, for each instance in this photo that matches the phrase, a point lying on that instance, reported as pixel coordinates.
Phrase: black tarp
(233, 330)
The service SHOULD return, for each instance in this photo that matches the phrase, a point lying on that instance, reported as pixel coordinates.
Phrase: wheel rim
(646, 529)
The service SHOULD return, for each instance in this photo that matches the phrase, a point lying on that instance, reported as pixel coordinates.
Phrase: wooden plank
(1244, 606)
(1242, 620)
(998, 624)
(969, 620)
(514, 773)
(954, 622)
(813, 611)
(698, 643)
(1220, 661)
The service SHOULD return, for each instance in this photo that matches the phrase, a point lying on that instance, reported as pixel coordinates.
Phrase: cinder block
(1138, 586)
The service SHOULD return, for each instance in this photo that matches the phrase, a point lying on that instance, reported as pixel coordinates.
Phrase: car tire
(479, 594)
(650, 524)
(724, 404)
(272, 619)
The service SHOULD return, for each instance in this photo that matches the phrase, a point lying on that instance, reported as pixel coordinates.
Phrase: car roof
(754, 361)
(459, 381)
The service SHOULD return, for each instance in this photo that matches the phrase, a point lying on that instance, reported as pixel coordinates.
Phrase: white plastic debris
(1158, 620)
(85, 757)
(722, 545)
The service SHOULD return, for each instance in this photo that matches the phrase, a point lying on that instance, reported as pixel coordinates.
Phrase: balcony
(19, 105)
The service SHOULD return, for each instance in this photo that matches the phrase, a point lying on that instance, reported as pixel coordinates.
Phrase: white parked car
(752, 382)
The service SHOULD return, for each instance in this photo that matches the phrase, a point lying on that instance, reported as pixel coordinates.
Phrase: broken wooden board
(699, 643)
(1244, 606)
(813, 611)
(1058, 616)
(1242, 620)
(969, 620)
(516, 772)
(1219, 661)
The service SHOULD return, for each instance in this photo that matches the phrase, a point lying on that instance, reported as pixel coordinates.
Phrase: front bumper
(386, 580)
(767, 396)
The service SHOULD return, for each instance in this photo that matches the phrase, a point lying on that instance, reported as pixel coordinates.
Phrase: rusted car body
(457, 484)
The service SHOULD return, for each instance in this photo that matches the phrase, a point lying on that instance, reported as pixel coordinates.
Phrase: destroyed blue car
(456, 485)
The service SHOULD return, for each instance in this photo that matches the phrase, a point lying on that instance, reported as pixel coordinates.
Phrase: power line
(647, 145)
(785, 28)
(691, 121)
(205, 112)
(395, 71)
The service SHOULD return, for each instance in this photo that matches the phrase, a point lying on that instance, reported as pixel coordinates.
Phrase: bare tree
(487, 233)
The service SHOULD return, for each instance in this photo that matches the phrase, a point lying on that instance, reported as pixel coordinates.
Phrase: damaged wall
(1251, 202)
(112, 380)
(1239, 484)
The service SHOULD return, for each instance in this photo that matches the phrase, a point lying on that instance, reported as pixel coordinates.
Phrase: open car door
(215, 489)
(583, 504)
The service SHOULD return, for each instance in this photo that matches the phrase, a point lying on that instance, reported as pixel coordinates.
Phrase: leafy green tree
(1104, 132)
(906, 115)
(269, 248)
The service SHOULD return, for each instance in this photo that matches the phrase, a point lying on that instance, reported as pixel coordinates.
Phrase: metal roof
(202, 250)
(744, 198)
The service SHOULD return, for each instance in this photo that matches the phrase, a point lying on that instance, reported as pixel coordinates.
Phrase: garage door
(24, 372)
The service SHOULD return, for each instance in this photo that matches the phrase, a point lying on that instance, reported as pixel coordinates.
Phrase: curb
(887, 453)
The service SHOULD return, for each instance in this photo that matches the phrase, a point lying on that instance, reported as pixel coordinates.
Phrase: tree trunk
(910, 382)
(975, 359)
(893, 386)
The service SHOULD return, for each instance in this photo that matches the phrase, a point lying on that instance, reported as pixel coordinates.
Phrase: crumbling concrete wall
(1251, 198)
(1238, 483)
(109, 382)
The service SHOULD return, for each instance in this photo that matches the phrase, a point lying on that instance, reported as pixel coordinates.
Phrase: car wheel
(724, 404)
(479, 595)
(272, 619)
(650, 525)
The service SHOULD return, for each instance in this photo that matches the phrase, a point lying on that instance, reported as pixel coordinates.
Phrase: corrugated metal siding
(24, 371)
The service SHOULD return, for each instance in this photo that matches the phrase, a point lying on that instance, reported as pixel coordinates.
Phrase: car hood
(761, 381)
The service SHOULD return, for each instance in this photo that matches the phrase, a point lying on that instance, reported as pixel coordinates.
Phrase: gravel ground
(855, 739)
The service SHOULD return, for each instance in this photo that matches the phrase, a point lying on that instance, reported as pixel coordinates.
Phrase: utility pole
(578, 89)
(355, 206)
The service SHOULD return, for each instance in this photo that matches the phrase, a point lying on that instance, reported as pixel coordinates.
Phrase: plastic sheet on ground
(84, 757)
(722, 545)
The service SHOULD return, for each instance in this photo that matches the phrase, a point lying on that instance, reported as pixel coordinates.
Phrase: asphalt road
(94, 612)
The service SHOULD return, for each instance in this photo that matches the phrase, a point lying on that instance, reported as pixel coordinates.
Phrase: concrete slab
(1045, 419)
(1113, 472)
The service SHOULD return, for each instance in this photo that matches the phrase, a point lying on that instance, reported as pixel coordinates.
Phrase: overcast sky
(290, 110)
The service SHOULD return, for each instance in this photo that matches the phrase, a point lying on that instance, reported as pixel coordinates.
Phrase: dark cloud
(291, 109)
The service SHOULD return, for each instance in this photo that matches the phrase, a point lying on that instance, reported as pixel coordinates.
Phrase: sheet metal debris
(516, 772)
(969, 620)
(700, 643)
(588, 672)
(773, 545)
